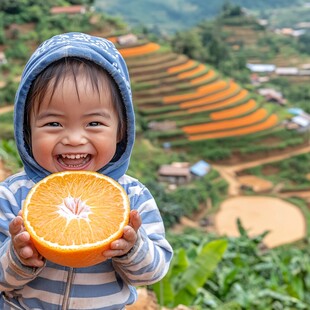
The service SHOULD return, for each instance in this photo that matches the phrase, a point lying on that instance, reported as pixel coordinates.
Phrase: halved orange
(73, 216)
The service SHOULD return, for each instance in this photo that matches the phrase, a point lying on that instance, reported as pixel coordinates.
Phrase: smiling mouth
(73, 161)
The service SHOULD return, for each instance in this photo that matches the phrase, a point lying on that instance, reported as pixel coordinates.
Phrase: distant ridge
(169, 16)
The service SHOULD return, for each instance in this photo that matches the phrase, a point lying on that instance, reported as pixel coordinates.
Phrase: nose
(74, 137)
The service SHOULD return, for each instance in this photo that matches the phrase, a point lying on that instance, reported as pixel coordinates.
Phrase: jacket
(108, 285)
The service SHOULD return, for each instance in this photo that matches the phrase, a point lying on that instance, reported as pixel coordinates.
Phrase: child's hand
(24, 248)
(127, 241)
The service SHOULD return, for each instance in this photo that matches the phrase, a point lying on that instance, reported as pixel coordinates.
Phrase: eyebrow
(48, 114)
(95, 114)
(101, 113)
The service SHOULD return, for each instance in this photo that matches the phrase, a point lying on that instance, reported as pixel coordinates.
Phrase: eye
(53, 124)
(94, 124)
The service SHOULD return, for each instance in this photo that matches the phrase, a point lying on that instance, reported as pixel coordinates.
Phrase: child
(74, 111)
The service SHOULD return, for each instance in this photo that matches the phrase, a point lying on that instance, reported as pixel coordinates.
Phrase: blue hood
(98, 50)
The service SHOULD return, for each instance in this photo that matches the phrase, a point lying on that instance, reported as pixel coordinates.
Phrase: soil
(147, 301)
(257, 214)
(256, 184)
(6, 109)
(285, 222)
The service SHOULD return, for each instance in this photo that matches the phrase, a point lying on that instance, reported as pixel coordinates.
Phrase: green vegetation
(299, 94)
(206, 43)
(185, 200)
(221, 150)
(207, 272)
(9, 155)
(249, 276)
(6, 126)
(189, 273)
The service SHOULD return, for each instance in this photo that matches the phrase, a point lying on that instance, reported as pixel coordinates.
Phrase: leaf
(241, 229)
(291, 301)
(164, 289)
(199, 271)
(232, 305)
(229, 278)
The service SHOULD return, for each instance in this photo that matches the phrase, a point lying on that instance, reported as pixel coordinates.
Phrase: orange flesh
(75, 212)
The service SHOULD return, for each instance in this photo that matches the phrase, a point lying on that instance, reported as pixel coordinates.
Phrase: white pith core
(74, 208)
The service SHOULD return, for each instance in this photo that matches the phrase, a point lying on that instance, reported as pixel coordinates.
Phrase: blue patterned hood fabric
(98, 50)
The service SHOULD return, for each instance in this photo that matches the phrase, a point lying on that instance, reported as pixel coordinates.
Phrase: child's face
(74, 131)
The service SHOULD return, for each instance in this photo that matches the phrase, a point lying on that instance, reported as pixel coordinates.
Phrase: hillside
(184, 100)
(181, 102)
(188, 110)
(171, 16)
(262, 45)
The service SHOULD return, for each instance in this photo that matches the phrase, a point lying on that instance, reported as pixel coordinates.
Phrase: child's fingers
(25, 252)
(34, 262)
(21, 239)
(135, 220)
(129, 235)
(124, 245)
(118, 248)
(16, 225)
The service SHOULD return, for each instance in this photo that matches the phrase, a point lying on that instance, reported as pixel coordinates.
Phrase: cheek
(39, 141)
(42, 145)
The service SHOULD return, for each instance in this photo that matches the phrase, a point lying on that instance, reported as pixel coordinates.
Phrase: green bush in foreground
(247, 277)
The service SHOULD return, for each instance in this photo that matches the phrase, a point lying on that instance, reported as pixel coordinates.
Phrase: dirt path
(301, 194)
(229, 172)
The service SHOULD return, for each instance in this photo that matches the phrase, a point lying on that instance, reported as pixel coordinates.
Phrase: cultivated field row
(172, 87)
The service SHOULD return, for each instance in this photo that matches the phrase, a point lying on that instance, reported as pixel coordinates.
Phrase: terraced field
(198, 103)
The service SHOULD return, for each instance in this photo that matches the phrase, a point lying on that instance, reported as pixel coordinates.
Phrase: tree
(85, 2)
(304, 43)
(12, 6)
(230, 10)
(188, 43)
(218, 51)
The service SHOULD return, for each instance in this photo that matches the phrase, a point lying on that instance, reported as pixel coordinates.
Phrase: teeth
(74, 156)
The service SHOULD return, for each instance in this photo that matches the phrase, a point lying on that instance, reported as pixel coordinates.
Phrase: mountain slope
(174, 15)
(183, 100)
